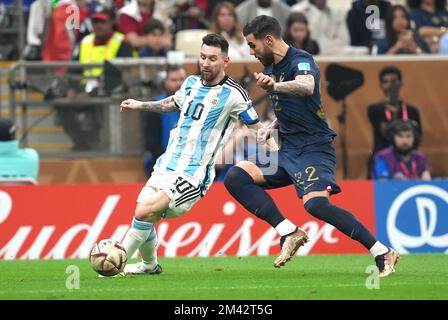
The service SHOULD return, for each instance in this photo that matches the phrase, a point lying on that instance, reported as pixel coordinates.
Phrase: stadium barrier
(424, 86)
(64, 221)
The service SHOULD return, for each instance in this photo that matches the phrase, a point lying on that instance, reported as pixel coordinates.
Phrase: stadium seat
(189, 41)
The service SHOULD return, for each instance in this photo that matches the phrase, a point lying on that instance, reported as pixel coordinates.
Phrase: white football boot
(142, 268)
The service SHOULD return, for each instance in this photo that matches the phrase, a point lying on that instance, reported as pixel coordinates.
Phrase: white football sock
(285, 227)
(148, 249)
(136, 236)
(378, 248)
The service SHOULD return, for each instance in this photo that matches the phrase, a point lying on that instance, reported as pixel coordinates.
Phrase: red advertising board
(64, 221)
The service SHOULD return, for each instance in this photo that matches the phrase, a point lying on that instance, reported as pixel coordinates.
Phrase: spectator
(83, 124)
(431, 20)
(401, 161)
(249, 9)
(399, 36)
(101, 45)
(133, 17)
(191, 14)
(357, 17)
(328, 26)
(40, 12)
(224, 21)
(61, 42)
(213, 3)
(158, 39)
(156, 128)
(392, 108)
(14, 161)
(298, 35)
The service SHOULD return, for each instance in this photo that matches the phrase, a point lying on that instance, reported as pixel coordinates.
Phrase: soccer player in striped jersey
(209, 106)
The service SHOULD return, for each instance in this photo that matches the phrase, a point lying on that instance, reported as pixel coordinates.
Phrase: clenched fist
(264, 81)
(263, 134)
(131, 104)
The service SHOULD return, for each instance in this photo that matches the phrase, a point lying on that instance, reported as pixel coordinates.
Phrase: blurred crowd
(56, 28)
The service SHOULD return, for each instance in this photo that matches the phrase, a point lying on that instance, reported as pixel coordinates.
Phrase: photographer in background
(401, 161)
(392, 108)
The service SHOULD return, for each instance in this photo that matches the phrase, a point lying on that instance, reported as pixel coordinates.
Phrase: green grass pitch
(418, 276)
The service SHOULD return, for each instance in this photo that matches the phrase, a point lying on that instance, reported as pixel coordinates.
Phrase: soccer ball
(108, 257)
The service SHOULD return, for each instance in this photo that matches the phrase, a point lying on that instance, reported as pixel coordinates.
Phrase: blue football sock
(343, 220)
(253, 197)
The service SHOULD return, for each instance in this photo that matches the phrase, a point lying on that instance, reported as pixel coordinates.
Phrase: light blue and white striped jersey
(207, 117)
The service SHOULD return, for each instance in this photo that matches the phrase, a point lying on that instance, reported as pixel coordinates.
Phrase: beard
(404, 150)
(207, 76)
(267, 59)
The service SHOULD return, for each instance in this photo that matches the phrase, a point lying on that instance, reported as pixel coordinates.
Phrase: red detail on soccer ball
(108, 257)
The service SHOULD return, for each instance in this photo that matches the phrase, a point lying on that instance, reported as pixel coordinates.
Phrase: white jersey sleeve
(180, 95)
(243, 108)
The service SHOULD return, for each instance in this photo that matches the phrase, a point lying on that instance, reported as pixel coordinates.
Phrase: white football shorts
(183, 191)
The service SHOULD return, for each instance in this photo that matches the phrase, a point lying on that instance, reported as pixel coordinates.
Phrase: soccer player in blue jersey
(306, 157)
(209, 106)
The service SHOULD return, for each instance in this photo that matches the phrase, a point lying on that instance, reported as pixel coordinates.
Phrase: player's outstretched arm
(302, 85)
(161, 106)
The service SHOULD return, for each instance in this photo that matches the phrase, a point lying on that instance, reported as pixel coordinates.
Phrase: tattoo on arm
(161, 106)
(302, 85)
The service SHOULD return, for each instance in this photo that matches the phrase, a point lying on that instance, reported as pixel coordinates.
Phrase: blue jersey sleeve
(381, 170)
(304, 66)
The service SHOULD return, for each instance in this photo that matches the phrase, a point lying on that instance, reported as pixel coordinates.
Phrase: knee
(145, 212)
(230, 177)
(316, 205)
(236, 176)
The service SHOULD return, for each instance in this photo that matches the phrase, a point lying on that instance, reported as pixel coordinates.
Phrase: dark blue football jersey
(302, 120)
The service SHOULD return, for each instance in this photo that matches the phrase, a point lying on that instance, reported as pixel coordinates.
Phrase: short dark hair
(397, 126)
(262, 26)
(390, 70)
(153, 25)
(216, 40)
(173, 67)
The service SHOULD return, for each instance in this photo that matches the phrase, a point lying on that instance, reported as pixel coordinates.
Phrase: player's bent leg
(252, 170)
(150, 208)
(148, 251)
(147, 212)
(243, 183)
(317, 204)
